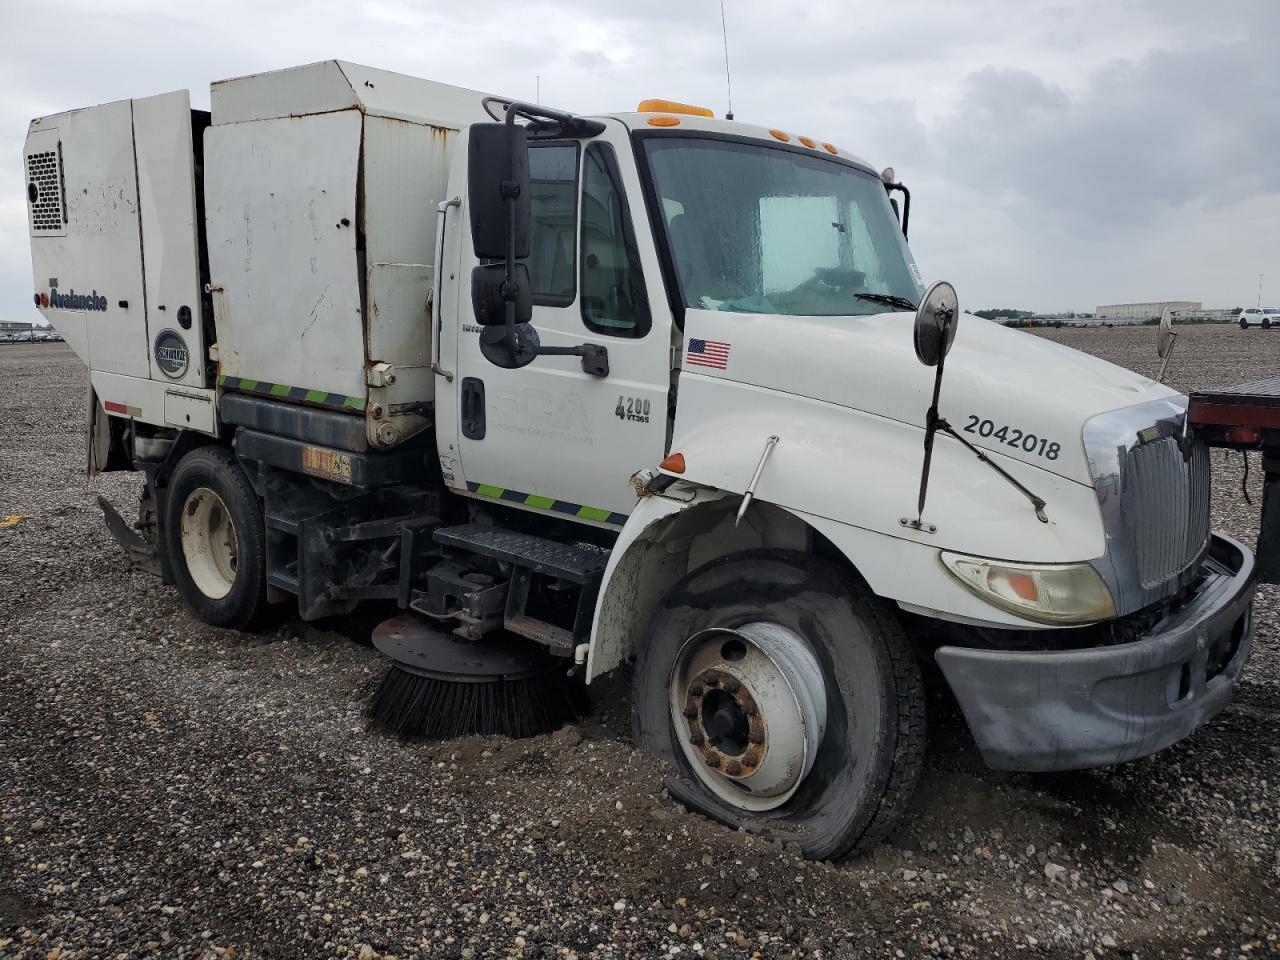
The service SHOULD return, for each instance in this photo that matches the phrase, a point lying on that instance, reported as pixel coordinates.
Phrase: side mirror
(1165, 341)
(487, 288)
(500, 204)
(1166, 336)
(493, 174)
(936, 323)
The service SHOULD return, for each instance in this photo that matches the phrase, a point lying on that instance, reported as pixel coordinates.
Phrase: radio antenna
(724, 31)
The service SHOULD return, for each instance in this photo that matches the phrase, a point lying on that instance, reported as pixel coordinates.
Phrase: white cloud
(1059, 153)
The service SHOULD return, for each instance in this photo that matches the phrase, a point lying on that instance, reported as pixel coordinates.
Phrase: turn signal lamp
(673, 463)
(673, 106)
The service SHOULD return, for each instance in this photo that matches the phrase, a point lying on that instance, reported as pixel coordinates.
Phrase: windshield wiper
(887, 298)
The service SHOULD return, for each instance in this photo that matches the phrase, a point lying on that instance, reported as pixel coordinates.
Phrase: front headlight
(1048, 592)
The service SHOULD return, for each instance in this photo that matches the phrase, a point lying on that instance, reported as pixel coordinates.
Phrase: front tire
(1244, 324)
(788, 698)
(214, 534)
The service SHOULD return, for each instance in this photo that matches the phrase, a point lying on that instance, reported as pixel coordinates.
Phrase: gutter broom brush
(438, 686)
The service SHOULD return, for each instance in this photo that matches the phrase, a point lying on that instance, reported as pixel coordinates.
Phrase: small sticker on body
(329, 464)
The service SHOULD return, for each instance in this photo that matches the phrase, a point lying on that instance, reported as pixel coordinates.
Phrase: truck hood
(1003, 389)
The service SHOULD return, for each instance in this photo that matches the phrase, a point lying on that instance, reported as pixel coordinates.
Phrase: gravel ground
(173, 790)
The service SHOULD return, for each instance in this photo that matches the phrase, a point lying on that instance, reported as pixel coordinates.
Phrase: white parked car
(1264, 317)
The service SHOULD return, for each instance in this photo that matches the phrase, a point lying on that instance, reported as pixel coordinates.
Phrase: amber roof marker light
(673, 106)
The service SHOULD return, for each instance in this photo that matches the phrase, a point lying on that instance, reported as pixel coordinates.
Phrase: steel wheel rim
(748, 707)
(210, 546)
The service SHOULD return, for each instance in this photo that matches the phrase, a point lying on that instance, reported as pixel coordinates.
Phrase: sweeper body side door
(550, 436)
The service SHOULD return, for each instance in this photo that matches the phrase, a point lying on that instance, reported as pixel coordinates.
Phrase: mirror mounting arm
(595, 358)
(1038, 503)
(906, 204)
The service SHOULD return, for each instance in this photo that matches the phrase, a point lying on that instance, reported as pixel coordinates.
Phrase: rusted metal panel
(405, 175)
(281, 217)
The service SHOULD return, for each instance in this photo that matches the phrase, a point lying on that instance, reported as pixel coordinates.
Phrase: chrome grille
(1166, 506)
(1152, 484)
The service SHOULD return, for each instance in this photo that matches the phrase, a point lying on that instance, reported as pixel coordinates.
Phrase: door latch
(472, 408)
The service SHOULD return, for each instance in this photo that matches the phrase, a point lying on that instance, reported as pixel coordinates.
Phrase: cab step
(580, 565)
(531, 555)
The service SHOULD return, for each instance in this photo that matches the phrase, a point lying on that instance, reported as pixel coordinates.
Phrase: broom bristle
(425, 708)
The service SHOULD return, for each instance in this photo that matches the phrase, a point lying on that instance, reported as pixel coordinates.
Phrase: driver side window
(614, 299)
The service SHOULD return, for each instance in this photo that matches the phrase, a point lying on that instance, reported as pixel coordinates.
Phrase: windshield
(757, 229)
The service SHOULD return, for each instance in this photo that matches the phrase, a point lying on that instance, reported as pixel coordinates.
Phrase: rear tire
(1244, 324)
(788, 698)
(214, 534)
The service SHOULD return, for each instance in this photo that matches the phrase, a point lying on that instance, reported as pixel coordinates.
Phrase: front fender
(668, 536)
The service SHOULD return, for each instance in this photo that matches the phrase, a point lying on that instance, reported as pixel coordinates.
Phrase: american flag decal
(708, 353)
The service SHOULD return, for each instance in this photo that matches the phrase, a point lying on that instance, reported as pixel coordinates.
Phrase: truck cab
(643, 389)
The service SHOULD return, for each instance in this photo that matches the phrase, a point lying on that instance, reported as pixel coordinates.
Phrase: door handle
(472, 408)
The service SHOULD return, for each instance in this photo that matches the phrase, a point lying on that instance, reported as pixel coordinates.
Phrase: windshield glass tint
(755, 229)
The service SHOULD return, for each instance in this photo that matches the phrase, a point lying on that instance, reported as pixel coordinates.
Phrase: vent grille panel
(1167, 505)
(45, 190)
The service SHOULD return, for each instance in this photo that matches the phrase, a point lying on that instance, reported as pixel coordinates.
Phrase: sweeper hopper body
(573, 392)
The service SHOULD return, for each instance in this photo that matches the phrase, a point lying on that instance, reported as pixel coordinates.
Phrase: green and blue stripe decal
(547, 503)
(280, 391)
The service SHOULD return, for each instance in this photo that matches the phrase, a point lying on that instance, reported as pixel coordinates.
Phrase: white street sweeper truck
(573, 392)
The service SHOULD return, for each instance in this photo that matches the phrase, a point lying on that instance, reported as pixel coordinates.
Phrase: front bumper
(1071, 709)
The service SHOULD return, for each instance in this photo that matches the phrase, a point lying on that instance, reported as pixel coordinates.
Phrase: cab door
(548, 436)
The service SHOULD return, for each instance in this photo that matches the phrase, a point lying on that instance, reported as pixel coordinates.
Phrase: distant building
(7, 327)
(1151, 310)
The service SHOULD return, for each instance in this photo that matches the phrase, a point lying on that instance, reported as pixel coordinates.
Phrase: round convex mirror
(1165, 337)
(936, 323)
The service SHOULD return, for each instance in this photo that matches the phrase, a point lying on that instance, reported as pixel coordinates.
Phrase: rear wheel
(215, 539)
(788, 699)
(1244, 324)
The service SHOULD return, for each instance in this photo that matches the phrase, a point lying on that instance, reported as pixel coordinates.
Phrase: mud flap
(141, 554)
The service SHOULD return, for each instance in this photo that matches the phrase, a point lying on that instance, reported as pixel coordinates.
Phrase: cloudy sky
(1060, 155)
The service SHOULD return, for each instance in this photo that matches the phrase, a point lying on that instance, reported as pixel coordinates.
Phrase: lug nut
(696, 689)
(690, 712)
(733, 768)
(697, 739)
(732, 684)
(755, 736)
(713, 761)
(750, 708)
(713, 681)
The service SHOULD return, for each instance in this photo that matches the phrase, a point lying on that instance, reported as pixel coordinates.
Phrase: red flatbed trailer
(1247, 417)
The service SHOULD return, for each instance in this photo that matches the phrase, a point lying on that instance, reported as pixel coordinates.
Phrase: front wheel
(1244, 324)
(788, 699)
(215, 538)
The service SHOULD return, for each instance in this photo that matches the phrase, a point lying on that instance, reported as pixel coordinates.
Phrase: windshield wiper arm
(887, 298)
